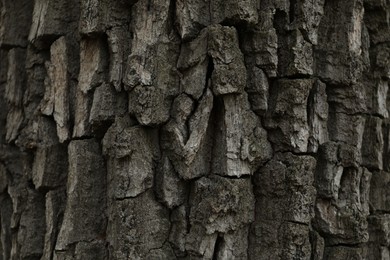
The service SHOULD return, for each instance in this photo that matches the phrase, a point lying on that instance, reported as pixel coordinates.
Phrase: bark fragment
(131, 154)
(170, 189)
(31, 231)
(341, 223)
(119, 46)
(189, 147)
(287, 116)
(229, 74)
(193, 64)
(86, 185)
(138, 228)
(92, 64)
(151, 75)
(257, 89)
(55, 206)
(221, 204)
(241, 142)
(337, 55)
(52, 19)
(379, 193)
(285, 195)
(60, 72)
(16, 15)
(14, 88)
(317, 116)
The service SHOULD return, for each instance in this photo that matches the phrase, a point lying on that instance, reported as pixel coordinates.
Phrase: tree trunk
(194, 129)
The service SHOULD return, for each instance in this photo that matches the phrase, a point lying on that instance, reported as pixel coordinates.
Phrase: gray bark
(194, 129)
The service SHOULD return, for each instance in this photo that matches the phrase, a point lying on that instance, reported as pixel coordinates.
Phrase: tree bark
(194, 129)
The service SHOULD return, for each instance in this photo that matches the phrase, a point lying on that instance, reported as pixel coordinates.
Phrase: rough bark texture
(194, 129)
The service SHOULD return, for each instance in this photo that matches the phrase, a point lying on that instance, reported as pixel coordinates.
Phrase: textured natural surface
(195, 129)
